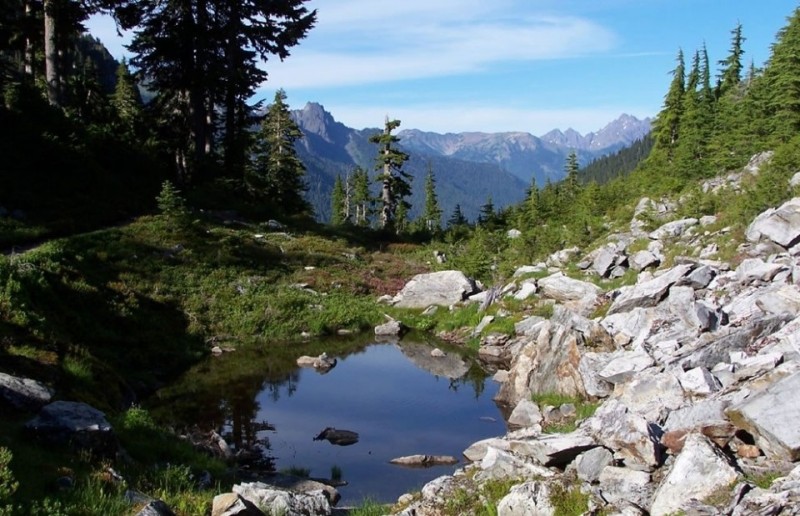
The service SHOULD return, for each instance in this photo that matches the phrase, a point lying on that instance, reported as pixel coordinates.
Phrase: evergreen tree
(338, 203)
(666, 126)
(487, 216)
(457, 218)
(432, 216)
(781, 86)
(697, 120)
(127, 101)
(394, 181)
(572, 184)
(276, 173)
(731, 67)
(362, 200)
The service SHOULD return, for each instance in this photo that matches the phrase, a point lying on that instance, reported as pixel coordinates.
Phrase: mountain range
(469, 167)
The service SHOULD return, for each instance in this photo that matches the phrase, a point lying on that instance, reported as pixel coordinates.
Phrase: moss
(568, 501)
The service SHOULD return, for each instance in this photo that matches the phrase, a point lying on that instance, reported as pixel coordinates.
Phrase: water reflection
(397, 397)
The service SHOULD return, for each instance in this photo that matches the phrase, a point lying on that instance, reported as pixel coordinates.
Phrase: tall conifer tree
(394, 181)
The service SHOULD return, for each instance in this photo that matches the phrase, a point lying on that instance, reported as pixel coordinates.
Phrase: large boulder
(771, 416)
(529, 498)
(633, 439)
(277, 501)
(580, 296)
(548, 363)
(24, 393)
(780, 225)
(700, 471)
(673, 229)
(442, 288)
(76, 424)
(649, 293)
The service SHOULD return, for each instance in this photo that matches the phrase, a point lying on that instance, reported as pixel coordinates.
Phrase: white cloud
(359, 42)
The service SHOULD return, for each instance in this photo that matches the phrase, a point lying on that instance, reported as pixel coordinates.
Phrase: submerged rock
(424, 461)
(338, 437)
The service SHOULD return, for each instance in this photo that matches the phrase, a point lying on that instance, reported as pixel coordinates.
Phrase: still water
(399, 399)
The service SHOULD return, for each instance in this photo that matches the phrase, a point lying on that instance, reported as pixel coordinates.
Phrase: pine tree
(338, 203)
(362, 199)
(127, 101)
(731, 67)
(276, 174)
(666, 126)
(432, 216)
(457, 218)
(696, 121)
(394, 181)
(487, 216)
(781, 84)
(572, 184)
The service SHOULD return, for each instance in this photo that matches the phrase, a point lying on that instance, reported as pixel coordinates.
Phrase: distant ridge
(470, 167)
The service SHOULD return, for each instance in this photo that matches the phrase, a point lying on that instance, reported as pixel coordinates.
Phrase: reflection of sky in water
(397, 409)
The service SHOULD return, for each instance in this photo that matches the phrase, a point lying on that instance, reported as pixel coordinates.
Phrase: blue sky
(503, 65)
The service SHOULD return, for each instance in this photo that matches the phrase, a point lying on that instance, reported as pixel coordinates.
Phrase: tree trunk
(51, 54)
(28, 55)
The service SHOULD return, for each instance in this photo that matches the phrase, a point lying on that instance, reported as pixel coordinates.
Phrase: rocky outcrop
(696, 369)
(278, 501)
(24, 393)
(424, 461)
(75, 424)
(443, 288)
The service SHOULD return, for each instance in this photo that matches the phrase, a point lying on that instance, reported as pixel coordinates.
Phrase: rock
(502, 465)
(485, 321)
(785, 341)
(437, 353)
(563, 257)
(589, 368)
(24, 393)
(748, 367)
(338, 437)
(707, 220)
(529, 269)
(698, 472)
(757, 162)
(513, 234)
(575, 294)
(619, 485)
(556, 450)
(525, 414)
(442, 288)
(699, 381)
(548, 363)
(780, 225)
(673, 229)
(77, 424)
(526, 290)
(590, 464)
(748, 451)
(651, 394)
(391, 328)
(530, 498)
(753, 269)
(629, 435)
(322, 363)
(604, 260)
(794, 182)
(529, 326)
(156, 508)
(648, 293)
(771, 416)
(642, 260)
(624, 365)
(424, 461)
(276, 501)
(231, 504)
(701, 277)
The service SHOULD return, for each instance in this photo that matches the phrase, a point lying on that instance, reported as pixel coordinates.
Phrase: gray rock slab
(554, 450)
(697, 415)
(624, 365)
(699, 381)
(530, 498)
(642, 260)
(648, 293)
(76, 424)
(24, 393)
(673, 229)
(502, 465)
(525, 414)
(699, 471)
(590, 366)
(604, 260)
(442, 288)
(772, 416)
(279, 501)
(590, 464)
(576, 294)
(780, 225)
(652, 394)
(629, 435)
(620, 485)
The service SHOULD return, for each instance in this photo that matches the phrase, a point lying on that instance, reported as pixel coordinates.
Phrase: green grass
(583, 410)
(480, 501)
(568, 501)
(369, 508)
(764, 480)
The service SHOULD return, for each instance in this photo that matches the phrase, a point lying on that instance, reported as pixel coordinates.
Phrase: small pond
(400, 400)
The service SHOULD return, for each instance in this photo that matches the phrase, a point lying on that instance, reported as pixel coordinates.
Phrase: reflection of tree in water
(290, 382)
(475, 377)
